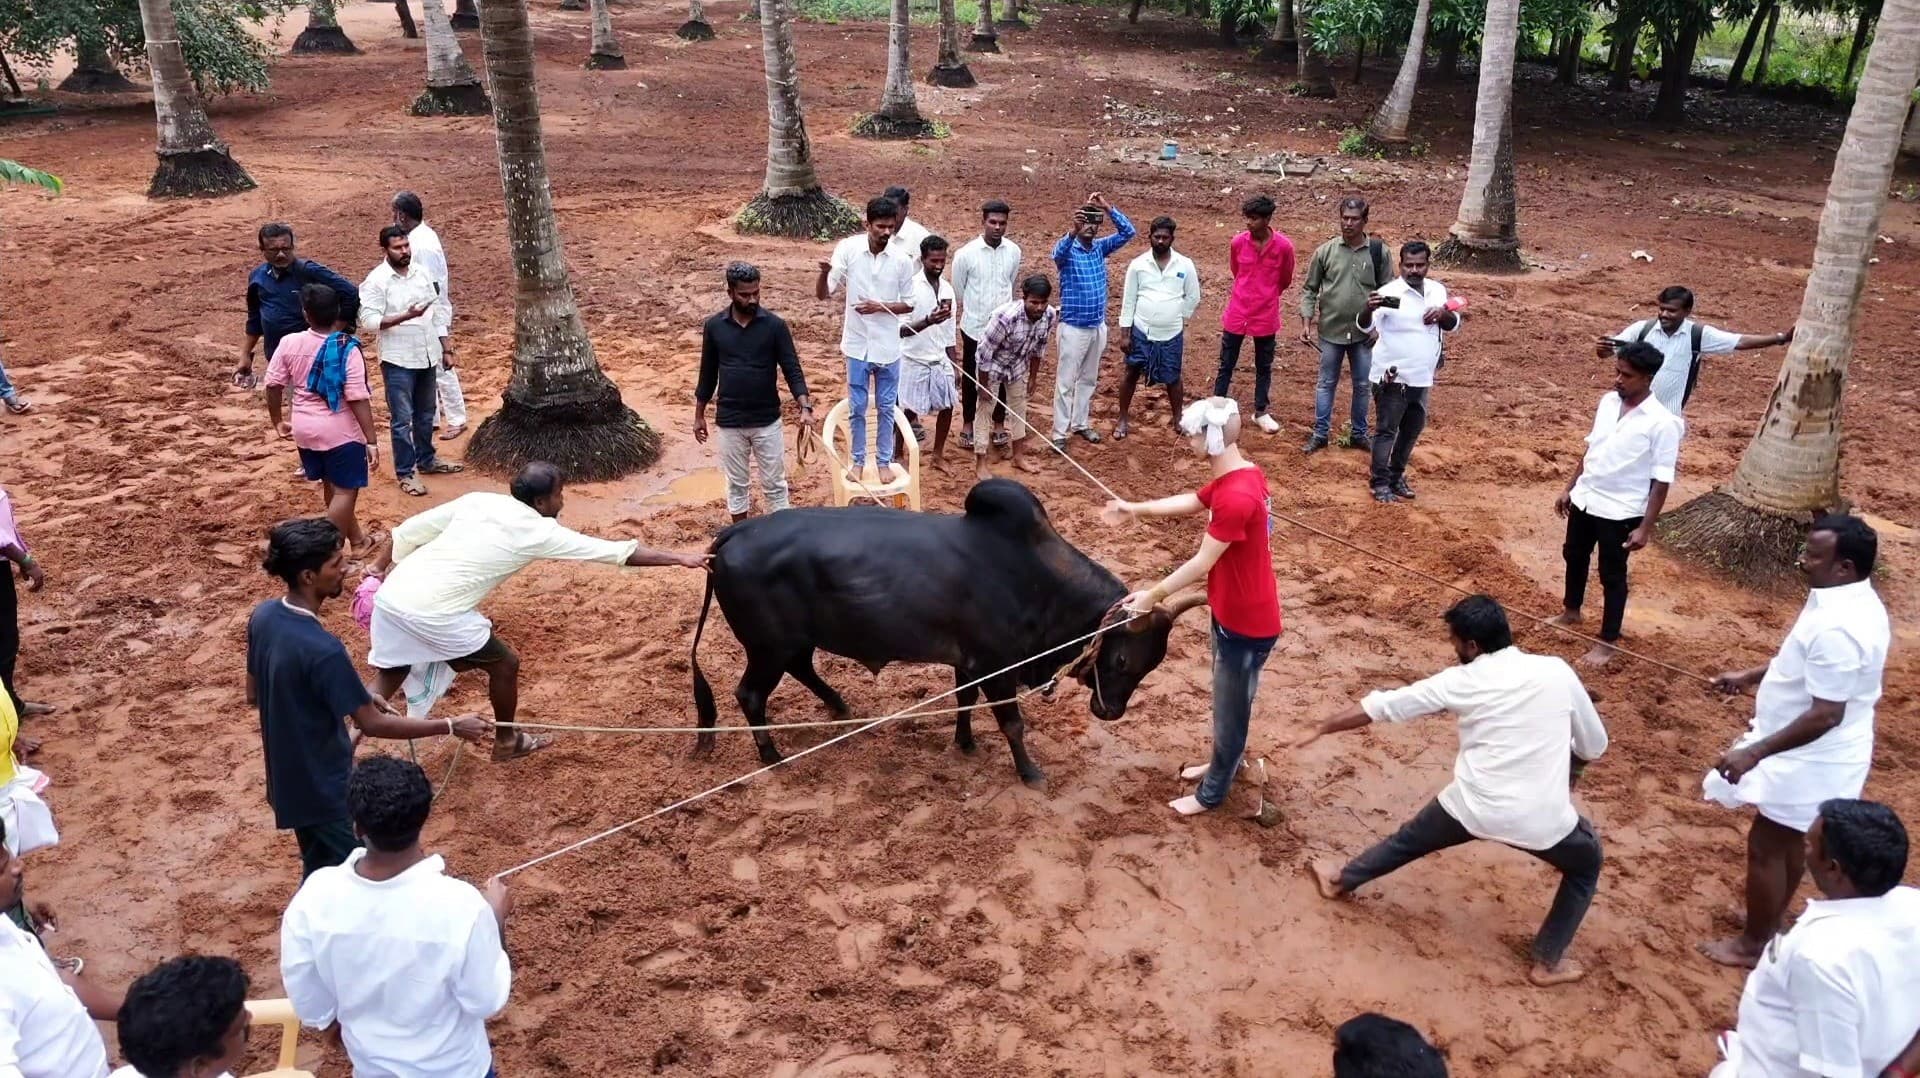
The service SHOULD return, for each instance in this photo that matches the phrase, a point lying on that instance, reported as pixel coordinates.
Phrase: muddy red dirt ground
(888, 906)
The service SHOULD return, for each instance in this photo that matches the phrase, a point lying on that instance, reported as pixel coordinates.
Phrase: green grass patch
(925, 12)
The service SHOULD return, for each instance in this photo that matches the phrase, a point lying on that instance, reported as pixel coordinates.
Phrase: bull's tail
(703, 704)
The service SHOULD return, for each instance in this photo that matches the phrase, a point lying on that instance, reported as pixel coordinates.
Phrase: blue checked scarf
(328, 375)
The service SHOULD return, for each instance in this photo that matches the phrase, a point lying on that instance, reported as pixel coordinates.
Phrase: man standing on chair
(743, 352)
(1082, 261)
(878, 281)
(1261, 262)
(985, 271)
(1405, 317)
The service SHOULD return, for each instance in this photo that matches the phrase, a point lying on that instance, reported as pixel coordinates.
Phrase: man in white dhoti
(1812, 734)
(448, 559)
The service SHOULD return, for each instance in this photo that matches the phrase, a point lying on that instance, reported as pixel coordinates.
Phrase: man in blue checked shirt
(1082, 261)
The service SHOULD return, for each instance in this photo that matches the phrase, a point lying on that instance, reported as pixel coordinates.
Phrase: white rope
(768, 728)
(810, 750)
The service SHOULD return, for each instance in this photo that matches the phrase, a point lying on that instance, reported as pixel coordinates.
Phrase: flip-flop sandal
(966, 441)
(1120, 434)
(443, 467)
(1001, 439)
(455, 432)
(19, 406)
(524, 744)
(412, 485)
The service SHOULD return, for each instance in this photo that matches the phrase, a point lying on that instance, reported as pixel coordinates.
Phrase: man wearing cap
(1082, 260)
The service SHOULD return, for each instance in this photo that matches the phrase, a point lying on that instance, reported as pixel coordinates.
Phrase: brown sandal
(524, 744)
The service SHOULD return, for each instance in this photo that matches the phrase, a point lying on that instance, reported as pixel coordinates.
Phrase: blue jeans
(1236, 677)
(1359, 357)
(410, 404)
(6, 388)
(886, 390)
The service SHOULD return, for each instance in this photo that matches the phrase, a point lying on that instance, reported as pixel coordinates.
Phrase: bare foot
(981, 472)
(1565, 971)
(1027, 465)
(1734, 951)
(853, 475)
(1120, 432)
(1566, 617)
(31, 708)
(27, 746)
(1326, 877)
(1599, 656)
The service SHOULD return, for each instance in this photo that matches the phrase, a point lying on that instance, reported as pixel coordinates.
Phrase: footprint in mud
(840, 1061)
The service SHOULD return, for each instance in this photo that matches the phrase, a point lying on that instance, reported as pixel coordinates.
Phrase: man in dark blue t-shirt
(300, 678)
(273, 297)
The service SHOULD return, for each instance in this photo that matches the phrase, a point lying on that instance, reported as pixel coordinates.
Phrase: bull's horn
(1185, 603)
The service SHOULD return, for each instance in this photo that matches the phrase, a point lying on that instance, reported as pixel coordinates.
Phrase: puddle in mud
(694, 488)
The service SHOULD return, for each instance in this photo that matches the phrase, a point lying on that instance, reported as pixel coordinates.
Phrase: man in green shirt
(1342, 272)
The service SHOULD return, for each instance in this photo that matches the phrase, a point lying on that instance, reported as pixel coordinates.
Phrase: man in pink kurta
(1261, 262)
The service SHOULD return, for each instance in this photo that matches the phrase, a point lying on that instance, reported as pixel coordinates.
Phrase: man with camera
(1405, 318)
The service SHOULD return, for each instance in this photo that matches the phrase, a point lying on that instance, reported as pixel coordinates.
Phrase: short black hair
(1674, 293)
(1642, 357)
(882, 207)
(1479, 619)
(1415, 247)
(300, 546)
(180, 1011)
(408, 203)
(1257, 206)
(536, 480)
(900, 196)
(1037, 286)
(389, 799)
(1355, 202)
(739, 273)
(931, 244)
(320, 303)
(1868, 841)
(1853, 539)
(274, 229)
(1160, 222)
(1372, 1045)
(994, 205)
(391, 233)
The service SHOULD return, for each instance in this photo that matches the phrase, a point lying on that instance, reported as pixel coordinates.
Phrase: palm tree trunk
(452, 87)
(1747, 43)
(899, 114)
(1790, 471)
(985, 38)
(1486, 232)
(1676, 71)
(791, 201)
(1568, 71)
(465, 15)
(323, 33)
(1766, 46)
(559, 406)
(1390, 123)
(94, 71)
(949, 69)
(1011, 19)
(1860, 31)
(696, 28)
(1315, 79)
(193, 160)
(1446, 66)
(1283, 40)
(405, 11)
(604, 53)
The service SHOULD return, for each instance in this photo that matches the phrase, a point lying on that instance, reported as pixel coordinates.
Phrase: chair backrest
(838, 437)
(279, 1012)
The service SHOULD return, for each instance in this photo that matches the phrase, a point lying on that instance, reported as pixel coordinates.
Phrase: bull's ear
(1185, 603)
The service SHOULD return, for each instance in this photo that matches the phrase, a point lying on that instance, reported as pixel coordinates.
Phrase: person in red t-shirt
(1238, 563)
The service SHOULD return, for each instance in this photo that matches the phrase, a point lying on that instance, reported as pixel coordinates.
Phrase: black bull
(995, 589)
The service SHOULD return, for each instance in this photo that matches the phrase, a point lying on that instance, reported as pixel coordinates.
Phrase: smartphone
(1617, 342)
(1390, 301)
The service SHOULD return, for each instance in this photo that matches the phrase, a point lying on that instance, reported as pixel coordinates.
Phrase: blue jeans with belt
(410, 407)
(1237, 661)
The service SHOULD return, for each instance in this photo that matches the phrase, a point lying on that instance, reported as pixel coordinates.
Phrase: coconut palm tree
(1486, 232)
(791, 201)
(1790, 471)
(1390, 123)
(452, 87)
(604, 53)
(94, 71)
(985, 37)
(559, 406)
(1283, 40)
(899, 115)
(949, 69)
(1315, 80)
(465, 16)
(323, 33)
(696, 28)
(193, 160)
(405, 11)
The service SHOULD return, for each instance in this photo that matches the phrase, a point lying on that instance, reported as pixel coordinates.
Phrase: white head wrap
(1210, 415)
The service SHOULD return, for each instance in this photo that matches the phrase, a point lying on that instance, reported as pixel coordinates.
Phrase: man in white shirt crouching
(1520, 715)
(1838, 994)
(406, 960)
(185, 1018)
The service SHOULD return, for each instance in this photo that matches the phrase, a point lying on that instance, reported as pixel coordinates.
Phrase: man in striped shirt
(1082, 260)
(1016, 338)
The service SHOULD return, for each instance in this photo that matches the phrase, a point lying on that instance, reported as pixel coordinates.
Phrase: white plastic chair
(279, 1012)
(902, 491)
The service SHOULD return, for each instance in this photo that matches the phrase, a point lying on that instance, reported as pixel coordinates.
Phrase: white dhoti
(1789, 788)
(401, 638)
(29, 821)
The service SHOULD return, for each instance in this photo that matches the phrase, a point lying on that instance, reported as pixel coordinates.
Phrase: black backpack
(1693, 368)
(1378, 252)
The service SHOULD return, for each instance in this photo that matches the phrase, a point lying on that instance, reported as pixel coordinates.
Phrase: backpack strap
(1693, 368)
(1377, 252)
(1646, 327)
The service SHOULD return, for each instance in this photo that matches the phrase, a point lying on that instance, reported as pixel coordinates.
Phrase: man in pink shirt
(1261, 262)
(332, 421)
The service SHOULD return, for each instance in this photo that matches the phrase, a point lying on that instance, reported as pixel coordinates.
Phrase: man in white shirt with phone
(402, 304)
(1406, 317)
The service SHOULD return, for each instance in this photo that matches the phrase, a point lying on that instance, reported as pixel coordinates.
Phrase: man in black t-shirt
(300, 678)
(743, 350)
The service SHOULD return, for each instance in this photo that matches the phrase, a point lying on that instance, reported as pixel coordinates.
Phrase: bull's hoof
(968, 746)
(1035, 779)
(770, 756)
(702, 747)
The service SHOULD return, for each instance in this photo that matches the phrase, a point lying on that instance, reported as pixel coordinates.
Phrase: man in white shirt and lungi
(447, 559)
(1527, 730)
(1618, 490)
(1811, 738)
(1839, 993)
(404, 960)
(928, 349)
(1161, 291)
